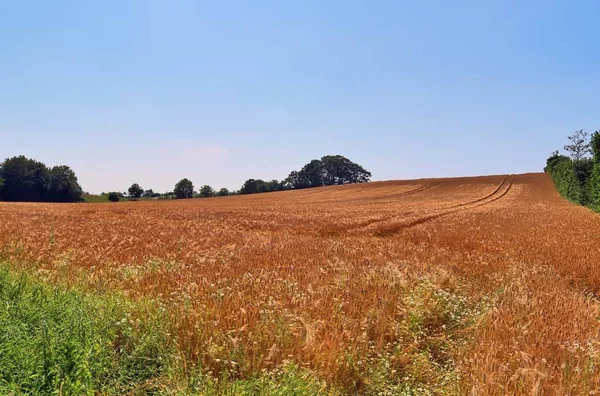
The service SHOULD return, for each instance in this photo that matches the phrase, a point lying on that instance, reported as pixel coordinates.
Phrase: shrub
(113, 197)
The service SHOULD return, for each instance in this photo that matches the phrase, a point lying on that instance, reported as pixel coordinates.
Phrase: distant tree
(253, 186)
(148, 193)
(250, 186)
(223, 192)
(275, 185)
(184, 189)
(580, 145)
(554, 159)
(338, 169)
(311, 175)
(64, 186)
(207, 191)
(135, 191)
(329, 170)
(114, 197)
(292, 181)
(25, 180)
(1, 187)
(262, 186)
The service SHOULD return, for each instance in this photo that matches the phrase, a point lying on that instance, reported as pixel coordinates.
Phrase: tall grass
(59, 341)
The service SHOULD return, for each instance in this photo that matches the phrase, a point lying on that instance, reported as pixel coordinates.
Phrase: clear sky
(222, 91)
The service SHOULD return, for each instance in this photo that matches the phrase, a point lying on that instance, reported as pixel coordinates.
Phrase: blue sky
(219, 92)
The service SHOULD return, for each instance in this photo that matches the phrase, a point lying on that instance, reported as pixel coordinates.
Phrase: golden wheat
(491, 279)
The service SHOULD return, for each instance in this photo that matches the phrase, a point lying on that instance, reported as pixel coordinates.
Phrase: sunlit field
(485, 285)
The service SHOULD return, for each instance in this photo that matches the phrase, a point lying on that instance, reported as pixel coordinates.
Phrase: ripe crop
(486, 285)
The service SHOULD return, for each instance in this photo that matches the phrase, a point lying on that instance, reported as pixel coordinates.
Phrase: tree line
(28, 180)
(577, 176)
(24, 179)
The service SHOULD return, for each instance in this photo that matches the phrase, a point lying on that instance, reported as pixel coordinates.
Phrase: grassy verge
(55, 340)
(94, 198)
(59, 341)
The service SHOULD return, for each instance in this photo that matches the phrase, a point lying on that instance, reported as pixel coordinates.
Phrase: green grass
(287, 381)
(94, 198)
(68, 342)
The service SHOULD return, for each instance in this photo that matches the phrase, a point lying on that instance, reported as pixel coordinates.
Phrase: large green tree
(184, 189)
(338, 169)
(25, 180)
(329, 170)
(64, 186)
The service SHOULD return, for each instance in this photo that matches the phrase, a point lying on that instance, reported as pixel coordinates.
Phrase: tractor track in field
(496, 195)
(363, 227)
(427, 186)
(500, 192)
(424, 187)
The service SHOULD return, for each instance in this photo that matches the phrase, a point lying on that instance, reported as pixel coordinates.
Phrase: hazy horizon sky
(219, 92)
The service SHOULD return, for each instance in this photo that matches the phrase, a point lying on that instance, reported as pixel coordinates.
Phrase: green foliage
(113, 197)
(94, 198)
(288, 381)
(25, 179)
(60, 341)
(338, 169)
(1, 186)
(64, 186)
(184, 189)
(329, 170)
(207, 191)
(28, 180)
(565, 178)
(150, 194)
(583, 171)
(553, 161)
(594, 187)
(223, 192)
(578, 178)
(253, 186)
(135, 191)
(312, 175)
(595, 146)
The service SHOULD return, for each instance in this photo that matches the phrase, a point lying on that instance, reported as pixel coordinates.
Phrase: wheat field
(483, 285)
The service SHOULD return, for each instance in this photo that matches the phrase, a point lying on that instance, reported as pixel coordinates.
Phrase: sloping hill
(486, 285)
